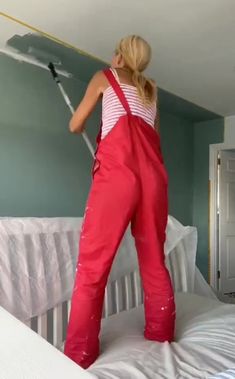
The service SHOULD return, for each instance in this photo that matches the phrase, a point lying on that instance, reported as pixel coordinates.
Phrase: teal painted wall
(44, 169)
(205, 133)
(177, 148)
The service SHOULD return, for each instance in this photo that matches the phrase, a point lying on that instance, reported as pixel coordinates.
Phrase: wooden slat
(57, 326)
(181, 268)
(42, 326)
(117, 297)
(127, 292)
(106, 303)
(137, 289)
(68, 309)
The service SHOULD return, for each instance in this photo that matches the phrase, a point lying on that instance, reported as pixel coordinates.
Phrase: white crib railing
(37, 265)
(122, 294)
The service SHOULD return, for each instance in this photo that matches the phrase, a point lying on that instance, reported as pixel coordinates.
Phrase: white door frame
(213, 182)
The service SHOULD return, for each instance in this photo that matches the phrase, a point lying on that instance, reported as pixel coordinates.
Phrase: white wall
(194, 62)
(229, 130)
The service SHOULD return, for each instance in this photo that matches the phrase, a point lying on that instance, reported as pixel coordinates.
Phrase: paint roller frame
(56, 78)
(26, 58)
(35, 62)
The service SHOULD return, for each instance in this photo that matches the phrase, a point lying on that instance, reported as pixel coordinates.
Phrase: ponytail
(145, 87)
(136, 53)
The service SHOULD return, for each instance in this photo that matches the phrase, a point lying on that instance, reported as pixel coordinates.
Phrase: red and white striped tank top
(112, 109)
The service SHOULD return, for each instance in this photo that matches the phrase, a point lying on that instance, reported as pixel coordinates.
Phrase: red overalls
(129, 185)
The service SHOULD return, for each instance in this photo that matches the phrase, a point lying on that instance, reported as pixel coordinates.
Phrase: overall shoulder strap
(117, 89)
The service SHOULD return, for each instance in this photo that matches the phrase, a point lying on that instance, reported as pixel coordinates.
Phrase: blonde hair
(136, 53)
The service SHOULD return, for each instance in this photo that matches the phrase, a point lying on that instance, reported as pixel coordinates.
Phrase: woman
(129, 186)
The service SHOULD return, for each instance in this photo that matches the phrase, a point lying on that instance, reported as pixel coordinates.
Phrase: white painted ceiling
(193, 41)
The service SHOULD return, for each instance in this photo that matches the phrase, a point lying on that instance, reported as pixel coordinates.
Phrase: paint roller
(33, 60)
(44, 56)
(38, 58)
(68, 102)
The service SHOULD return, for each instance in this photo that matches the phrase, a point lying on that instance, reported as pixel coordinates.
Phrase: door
(227, 221)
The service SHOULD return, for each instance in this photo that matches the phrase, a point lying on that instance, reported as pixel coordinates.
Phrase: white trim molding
(229, 144)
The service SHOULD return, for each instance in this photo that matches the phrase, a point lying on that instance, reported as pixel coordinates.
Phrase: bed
(37, 265)
(26, 355)
(205, 343)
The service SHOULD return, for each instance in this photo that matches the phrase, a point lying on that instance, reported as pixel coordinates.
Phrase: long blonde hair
(136, 53)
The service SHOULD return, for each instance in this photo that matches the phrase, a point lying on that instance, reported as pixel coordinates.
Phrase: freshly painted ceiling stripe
(51, 37)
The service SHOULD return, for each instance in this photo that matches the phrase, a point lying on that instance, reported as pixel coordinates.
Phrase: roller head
(43, 56)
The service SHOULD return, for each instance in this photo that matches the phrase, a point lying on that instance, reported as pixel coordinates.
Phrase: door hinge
(218, 161)
(218, 274)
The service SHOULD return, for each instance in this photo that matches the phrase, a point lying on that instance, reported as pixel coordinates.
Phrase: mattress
(204, 343)
(25, 355)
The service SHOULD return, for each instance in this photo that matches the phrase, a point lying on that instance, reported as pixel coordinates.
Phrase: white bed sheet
(205, 343)
(205, 336)
(25, 355)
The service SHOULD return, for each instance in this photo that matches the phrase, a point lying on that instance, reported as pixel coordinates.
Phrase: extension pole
(68, 102)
